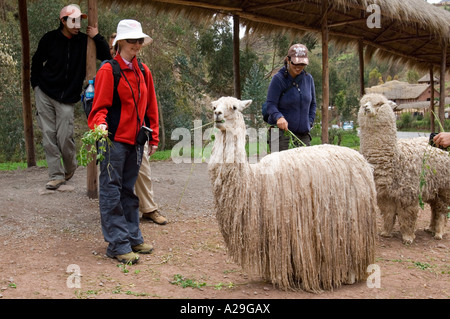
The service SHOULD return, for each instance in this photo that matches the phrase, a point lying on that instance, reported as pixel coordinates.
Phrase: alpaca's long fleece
(309, 223)
(303, 218)
(405, 170)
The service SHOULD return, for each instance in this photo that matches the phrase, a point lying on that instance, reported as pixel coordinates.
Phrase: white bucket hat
(131, 29)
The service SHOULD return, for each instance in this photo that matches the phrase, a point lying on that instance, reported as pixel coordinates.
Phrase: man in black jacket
(57, 73)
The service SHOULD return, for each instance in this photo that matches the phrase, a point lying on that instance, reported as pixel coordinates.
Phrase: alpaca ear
(245, 104)
(393, 105)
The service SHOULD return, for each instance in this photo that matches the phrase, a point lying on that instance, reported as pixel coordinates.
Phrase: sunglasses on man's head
(134, 41)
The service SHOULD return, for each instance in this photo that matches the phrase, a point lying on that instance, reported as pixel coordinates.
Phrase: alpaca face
(377, 109)
(372, 103)
(227, 110)
(376, 114)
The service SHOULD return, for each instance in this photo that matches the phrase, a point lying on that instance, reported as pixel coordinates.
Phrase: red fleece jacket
(121, 119)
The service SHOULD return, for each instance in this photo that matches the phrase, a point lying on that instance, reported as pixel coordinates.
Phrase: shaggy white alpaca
(398, 167)
(302, 218)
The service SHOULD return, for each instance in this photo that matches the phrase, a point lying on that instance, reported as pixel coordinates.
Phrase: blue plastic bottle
(90, 90)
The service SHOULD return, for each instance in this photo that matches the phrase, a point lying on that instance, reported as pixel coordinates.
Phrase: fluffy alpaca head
(229, 143)
(227, 111)
(376, 111)
(372, 102)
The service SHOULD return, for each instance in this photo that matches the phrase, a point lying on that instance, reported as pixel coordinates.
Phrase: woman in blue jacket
(291, 100)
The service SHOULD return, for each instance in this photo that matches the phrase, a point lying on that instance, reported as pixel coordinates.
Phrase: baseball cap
(298, 54)
(131, 29)
(72, 11)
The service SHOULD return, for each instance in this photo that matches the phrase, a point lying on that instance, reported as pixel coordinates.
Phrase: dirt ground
(47, 238)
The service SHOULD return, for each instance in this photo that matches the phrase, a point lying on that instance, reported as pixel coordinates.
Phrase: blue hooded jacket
(297, 104)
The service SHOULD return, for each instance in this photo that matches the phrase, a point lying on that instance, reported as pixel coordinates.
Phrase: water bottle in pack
(90, 90)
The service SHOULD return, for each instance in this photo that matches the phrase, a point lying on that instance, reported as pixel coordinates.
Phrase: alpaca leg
(440, 223)
(351, 278)
(439, 210)
(388, 212)
(407, 218)
(434, 208)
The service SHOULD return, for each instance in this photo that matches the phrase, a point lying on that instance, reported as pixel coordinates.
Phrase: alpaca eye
(234, 107)
(214, 108)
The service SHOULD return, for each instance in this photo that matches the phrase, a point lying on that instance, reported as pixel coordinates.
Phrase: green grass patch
(349, 139)
(12, 166)
(183, 282)
(161, 156)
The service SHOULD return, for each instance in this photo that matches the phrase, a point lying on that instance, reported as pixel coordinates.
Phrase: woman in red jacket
(122, 113)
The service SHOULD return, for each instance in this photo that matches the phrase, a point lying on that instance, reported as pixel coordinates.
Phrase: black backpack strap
(286, 89)
(141, 67)
(294, 84)
(116, 72)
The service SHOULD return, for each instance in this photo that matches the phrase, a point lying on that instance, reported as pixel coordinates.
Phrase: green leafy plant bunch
(93, 146)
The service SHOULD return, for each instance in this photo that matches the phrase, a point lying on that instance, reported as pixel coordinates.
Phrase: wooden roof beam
(202, 5)
(430, 54)
(396, 52)
(292, 25)
(384, 31)
(269, 5)
(420, 47)
(325, 10)
(424, 37)
(347, 22)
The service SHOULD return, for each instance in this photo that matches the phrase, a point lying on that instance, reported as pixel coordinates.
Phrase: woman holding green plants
(291, 99)
(122, 111)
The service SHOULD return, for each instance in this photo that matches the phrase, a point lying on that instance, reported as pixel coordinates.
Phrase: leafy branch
(94, 144)
(291, 135)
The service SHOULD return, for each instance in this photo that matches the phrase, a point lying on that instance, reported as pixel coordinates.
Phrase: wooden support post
(236, 66)
(442, 84)
(361, 67)
(432, 128)
(26, 85)
(325, 74)
(91, 69)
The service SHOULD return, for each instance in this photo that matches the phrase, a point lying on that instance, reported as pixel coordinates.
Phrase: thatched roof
(419, 105)
(395, 90)
(426, 79)
(412, 32)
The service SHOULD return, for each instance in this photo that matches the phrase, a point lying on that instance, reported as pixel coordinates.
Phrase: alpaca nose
(367, 107)
(218, 114)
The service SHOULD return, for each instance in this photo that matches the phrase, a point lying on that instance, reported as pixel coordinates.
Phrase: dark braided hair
(286, 67)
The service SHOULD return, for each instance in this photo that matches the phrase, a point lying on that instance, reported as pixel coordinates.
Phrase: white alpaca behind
(302, 218)
(398, 166)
